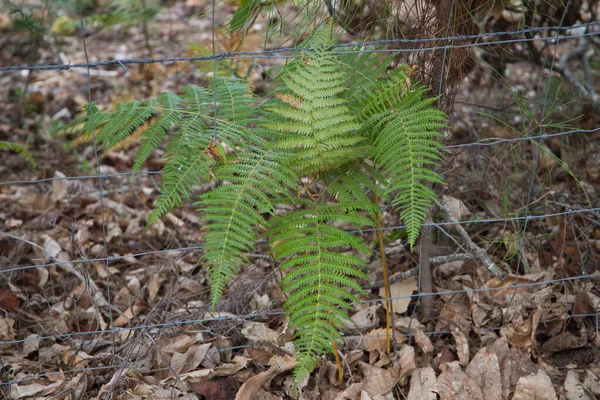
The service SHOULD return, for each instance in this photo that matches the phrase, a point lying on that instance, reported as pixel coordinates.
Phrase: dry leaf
(423, 341)
(462, 346)
(485, 370)
(592, 383)
(522, 334)
(376, 340)
(535, 387)
(34, 389)
(259, 332)
(400, 289)
(366, 318)
(407, 362)
(457, 207)
(454, 384)
(563, 341)
(8, 301)
(421, 384)
(253, 385)
(190, 360)
(7, 332)
(352, 392)
(378, 381)
(59, 187)
(573, 388)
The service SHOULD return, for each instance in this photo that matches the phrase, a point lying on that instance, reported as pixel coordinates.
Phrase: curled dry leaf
(462, 346)
(423, 341)
(366, 317)
(454, 384)
(535, 387)
(407, 363)
(457, 207)
(190, 360)
(252, 385)
(522, 334)
(485, 371)
(422, 381)
(7, 332)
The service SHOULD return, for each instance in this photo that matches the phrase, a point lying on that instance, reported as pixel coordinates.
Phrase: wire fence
(526, 216)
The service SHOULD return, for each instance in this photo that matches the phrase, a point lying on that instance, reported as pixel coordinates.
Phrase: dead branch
(477, 252)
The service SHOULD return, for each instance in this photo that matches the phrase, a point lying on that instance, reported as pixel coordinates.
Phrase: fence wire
(154, 329)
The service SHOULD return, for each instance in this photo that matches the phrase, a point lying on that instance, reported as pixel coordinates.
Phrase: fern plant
(336, 128)
(19, 149)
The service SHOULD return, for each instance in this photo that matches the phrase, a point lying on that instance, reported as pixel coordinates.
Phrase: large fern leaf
(320, 278)
(235, 209)
(311, 114)
(405, 129)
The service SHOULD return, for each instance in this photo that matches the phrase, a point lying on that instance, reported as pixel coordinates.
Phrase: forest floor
(149, 331)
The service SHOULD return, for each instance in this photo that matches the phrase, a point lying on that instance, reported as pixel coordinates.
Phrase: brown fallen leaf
(522, 334)
(190, 360)
(592, 383)
(485, 370)
(454, 384)
(422, 381)
(574, 390)
(535, 387)
(378, 381)
(253, 385)
(217, 389)
(376, 340)
(563, 341)
(462, 346)
(423, 341)
(400, 289)
(407, 363)
(352, 392)
(8, 301)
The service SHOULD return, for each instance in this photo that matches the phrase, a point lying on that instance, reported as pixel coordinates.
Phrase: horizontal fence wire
(389, 228)
(487, 142)
(557, 34)
(269, 53)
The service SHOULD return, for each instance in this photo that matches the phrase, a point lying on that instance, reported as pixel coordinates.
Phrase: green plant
(19, 149)
(338, 127)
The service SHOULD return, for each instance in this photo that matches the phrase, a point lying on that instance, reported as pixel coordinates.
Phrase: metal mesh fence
(159, 322)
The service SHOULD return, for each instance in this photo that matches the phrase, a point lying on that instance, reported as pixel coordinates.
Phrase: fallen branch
(477, 252)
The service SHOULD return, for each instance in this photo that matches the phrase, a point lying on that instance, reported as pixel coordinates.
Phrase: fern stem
(386, 281)
(339, 365)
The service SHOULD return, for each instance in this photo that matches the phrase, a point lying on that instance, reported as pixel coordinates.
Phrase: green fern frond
(235, 209)
(19, 149)
(363, 73)
(113, 127)
(404, 127)
(354, 183)
(170, 113)
(187, 164)
(235, 101)
(312, 116)
(320, 279)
